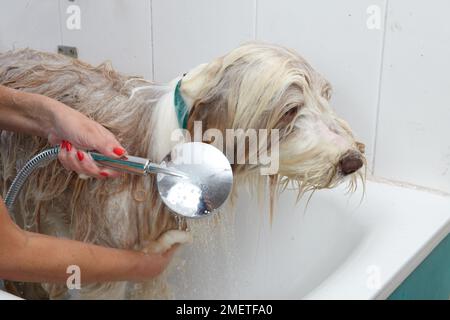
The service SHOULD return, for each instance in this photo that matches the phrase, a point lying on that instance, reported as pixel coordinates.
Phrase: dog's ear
(212, 114)
(327, 90)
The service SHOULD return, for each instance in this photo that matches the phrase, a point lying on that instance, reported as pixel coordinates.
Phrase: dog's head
(263, 86)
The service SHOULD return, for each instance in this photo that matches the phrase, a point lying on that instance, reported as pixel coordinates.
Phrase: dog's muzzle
(350, 162)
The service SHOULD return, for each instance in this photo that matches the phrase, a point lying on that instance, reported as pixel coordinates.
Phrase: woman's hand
(39, 115)
(76, 132)
(153, 264)
(26, 256)
(34, 257)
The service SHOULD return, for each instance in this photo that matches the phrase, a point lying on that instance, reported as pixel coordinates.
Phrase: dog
(255, 86)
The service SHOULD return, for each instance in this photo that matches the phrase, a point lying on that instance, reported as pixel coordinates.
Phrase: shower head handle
(128, 164)
(133, 165)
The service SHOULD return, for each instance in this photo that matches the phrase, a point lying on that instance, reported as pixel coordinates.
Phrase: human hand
(160, 252)
(76, 132)
(153, 264)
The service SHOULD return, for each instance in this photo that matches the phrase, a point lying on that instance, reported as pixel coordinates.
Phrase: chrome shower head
(193, 180)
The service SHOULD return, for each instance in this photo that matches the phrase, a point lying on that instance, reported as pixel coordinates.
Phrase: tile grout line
(380, 79)
(255, 32)
(60, 24)
(152, 40)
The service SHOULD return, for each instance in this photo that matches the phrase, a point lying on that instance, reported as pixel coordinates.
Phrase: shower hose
(37, 161)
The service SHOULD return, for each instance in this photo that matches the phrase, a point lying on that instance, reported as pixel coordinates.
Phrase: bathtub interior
(248, 257)
(336, 246)
(325, 249)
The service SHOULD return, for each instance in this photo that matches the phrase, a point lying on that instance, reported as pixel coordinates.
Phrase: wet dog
(255, 86)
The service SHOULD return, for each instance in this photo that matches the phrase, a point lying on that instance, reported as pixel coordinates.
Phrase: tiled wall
(388, 60)
(334, 38)
(187, 33)
(413, 141)
(116, 30)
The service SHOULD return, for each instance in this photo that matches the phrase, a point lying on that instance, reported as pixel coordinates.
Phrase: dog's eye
(289, 115)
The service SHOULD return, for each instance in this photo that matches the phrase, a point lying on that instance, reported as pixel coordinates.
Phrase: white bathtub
(6, 296)
(336, 249)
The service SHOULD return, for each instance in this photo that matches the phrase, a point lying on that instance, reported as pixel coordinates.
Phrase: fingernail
(68, 146)
(80, 155)
(119, 151)
(104, 174)
(63, 144)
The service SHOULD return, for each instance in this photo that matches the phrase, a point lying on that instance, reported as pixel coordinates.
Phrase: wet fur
(254, 86)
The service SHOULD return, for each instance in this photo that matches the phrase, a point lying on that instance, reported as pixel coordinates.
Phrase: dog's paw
(167, 240)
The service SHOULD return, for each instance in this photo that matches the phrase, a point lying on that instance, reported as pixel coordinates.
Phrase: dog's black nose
(350, 162)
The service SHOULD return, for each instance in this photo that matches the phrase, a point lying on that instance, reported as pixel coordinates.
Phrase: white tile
(333, 36)
(413, 142)
(187, 33)
(115, 30)
(29, 23)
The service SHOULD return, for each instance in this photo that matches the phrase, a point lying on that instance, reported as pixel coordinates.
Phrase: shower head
(193, 180)
(208, 183)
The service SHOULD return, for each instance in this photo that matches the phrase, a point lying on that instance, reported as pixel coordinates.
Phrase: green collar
(180, 107)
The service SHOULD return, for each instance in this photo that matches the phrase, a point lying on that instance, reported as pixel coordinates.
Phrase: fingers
(156, 260)
(81, 162)
(169, 253)
(90, 167)
(108, 145)
(63, 157)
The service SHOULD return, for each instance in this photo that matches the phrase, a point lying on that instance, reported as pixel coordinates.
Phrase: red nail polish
(104, 174)
(119, 151)
(63, 144)
(80, 155)
(68, 146)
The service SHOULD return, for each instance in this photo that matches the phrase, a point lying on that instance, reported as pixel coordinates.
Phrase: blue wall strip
(431, 279)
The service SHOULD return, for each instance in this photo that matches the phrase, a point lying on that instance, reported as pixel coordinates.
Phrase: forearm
(31, 257)
(25, 112)
(40, 258)
(26, 256)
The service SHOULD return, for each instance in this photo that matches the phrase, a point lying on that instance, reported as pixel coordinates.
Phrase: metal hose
(37, 161)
